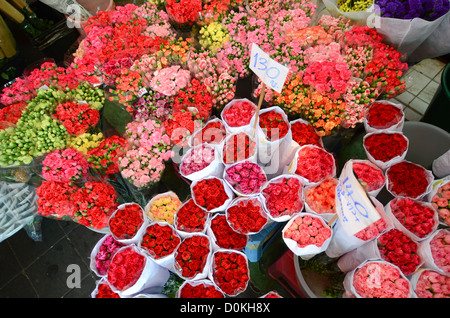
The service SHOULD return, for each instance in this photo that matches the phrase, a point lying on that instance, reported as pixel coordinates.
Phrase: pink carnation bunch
(440, 249)
(170, 80)
(197, 159)
(308, 230)
(432, 284)
(67, 165)
(246, 177)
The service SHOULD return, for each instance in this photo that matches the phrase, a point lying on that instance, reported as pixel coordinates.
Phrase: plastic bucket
(426, 142)
(438, 112)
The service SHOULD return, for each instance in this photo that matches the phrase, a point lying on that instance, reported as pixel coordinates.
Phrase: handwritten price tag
(353, 205)
(272, 73)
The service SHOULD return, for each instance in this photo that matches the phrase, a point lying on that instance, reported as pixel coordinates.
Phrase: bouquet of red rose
(224, 236)
(239, 115)
(385, 148)
(282, 197)
(77, 118)
(369, 175)
(131, 271)
(314, 164)
(415, 218)
(195, 94)
(203, 288)
(307, 235)
(230, 271)
(245, 178)
(246, 215)
(303, 133)
(191, 218)
(384, 115)
(104, 158)
(213, 132)
(160, 241)
(193, 257)
(211, 194)
(239, 147)
(95, 202)
(127, 223)
(407, 179)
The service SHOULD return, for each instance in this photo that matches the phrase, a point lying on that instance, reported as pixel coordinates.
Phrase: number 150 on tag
(272, 73)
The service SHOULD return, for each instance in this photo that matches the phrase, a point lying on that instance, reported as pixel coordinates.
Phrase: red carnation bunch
(246, 215)
(200, 289)
(54, 199)
(273, 125)
(180, 126)
(372, 177)
(304, 133)
(414, 215)
(160, 240)
(383, 115)
(238, 147)
(314, 163)
(239, 113)
(225, 236)
(407, 179)
(385, 146)
(104, 158)
(192, 254)
(77, 118)
(283, 196)
(194, 95)
(11, 114)
(210, 193)
(125, 269)
(397, 248)
(184, 12)
(126, 221)
(213, 133)
(95, 202)
(105, 291)
(190, 217)
(230, 272)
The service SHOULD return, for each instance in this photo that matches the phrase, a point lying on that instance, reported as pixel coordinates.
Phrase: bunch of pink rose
(246, 177)
(197, 159)
(440, 249)
(308, 230)
(66, 165)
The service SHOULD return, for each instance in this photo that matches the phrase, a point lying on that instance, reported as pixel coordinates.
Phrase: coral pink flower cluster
(239, 113)
(321, 197)
(197, 159)
(441, 202)
(380, 280)
(432, 284)
(314, 163)
(308, 230)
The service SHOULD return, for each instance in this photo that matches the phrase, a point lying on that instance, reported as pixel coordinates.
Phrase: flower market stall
(158, 134)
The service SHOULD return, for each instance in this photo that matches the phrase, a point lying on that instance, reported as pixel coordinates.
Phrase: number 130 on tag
(272, 73)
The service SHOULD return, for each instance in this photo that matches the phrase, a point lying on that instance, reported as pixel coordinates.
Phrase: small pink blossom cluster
(105, 253)
(372, 231)
(170, 80)
(440, 249)
(246, 177)
(315, 163)
(308, 230)
(158, 23)
(197, 159)
(432, 284)
(67, 165)
(143, 164)
(380, 280)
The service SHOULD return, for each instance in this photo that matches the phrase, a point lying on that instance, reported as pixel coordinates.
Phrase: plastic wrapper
(296, 235)
(373, 188)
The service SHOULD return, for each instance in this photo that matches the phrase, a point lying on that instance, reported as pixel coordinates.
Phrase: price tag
(142, 92)
(272, 73)
(354, 208)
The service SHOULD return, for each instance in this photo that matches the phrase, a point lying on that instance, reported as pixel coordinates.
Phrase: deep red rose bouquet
(283, 197)
(95, 202)
(76, 118)
(246, 215)
(385, 148)
(407, 179)
(230, 271)
(384, 115)
(369, 175)
(238, 147)
(273, 125)
(304, 133)
(418, 218)
(125, 269)
(159, 240)
(245, 178)
(104, 158)
(397, 248)
(313, 163)
(192, 257)
(199, 289)
(126, 221)
(211, 193)
(238, 113)
(223, 235)
(191, 218)
(212, 133)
